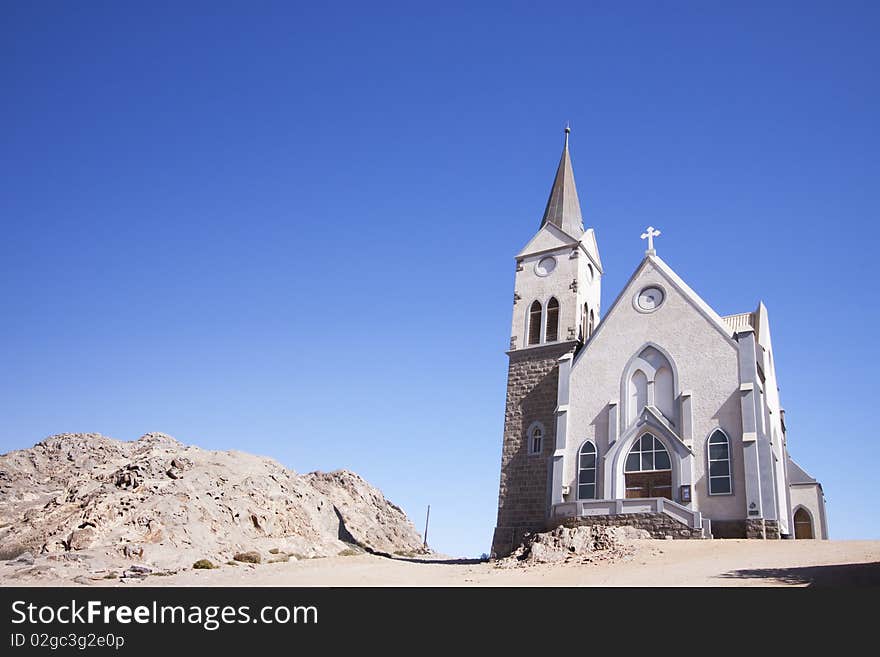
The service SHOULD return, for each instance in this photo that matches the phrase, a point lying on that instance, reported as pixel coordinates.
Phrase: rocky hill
(93, 500)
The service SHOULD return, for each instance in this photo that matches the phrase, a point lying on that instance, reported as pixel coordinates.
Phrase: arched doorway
(648, 470)
(803, 524)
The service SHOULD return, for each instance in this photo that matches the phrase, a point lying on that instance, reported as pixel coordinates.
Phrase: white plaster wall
(706, 364)
(589, 287)
(773, 414)
(810, 497)
(530, 286)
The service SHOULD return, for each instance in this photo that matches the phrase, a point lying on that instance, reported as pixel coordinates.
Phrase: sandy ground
(654, 563)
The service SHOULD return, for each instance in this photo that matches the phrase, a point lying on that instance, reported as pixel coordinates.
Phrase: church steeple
(563, 207)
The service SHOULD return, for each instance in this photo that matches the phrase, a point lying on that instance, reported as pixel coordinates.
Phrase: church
(659, 414)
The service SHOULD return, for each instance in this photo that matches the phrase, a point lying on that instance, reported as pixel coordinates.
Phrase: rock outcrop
(81, 497)
(582, 544)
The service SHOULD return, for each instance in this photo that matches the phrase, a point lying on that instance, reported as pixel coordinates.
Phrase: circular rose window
(649, 299)
(545, 266)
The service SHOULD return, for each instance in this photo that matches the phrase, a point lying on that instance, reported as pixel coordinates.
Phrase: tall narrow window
(585, 324)
(663, 393)
(535, 323)
(552, 321)
(592, 323)
(536, 439)
(719, 464)
(638, 394)
(587, 472)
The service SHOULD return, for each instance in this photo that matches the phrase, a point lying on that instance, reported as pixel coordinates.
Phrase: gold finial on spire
(567, 131)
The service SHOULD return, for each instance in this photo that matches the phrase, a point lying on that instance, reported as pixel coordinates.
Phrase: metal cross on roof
(649, 234)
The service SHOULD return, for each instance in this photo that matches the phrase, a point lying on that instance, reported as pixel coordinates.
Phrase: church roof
(797, 475)
(563, 207)
(689, 293)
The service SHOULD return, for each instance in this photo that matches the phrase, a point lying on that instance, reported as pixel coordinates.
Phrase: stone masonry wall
(755, 528)
(523, 494)
(658, 525)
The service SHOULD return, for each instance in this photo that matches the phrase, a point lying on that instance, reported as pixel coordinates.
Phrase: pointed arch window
(552, 333)
(592, 323)
(536, 439)
(648, 470)
(719, 464)
(647, 455)
(535, 322)
(649, 379)
(587, 472)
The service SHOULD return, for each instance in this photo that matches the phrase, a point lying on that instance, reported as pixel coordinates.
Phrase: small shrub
(203, 564)
(248, 557)
(111, 575)
(349, 552)
(408, 553)
(274, 551)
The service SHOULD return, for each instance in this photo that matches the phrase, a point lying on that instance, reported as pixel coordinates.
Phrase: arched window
(536, 439)
(587, 472)
(719, 464)
(648, 470)
(535, 323)
(647, 454)
(803, 524)
(552, 334)
(592, 323)
(638, 394)
(585, 324)
(663, 394)
(649, 378)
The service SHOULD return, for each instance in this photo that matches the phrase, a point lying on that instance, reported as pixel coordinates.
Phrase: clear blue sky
(290, 229)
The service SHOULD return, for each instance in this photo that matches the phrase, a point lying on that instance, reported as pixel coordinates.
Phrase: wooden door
(803, 526)
(649, 484)
(661, 485)
(636, 485)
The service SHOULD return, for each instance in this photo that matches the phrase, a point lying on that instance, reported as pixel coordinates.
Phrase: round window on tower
(649, 299)
(545, 266)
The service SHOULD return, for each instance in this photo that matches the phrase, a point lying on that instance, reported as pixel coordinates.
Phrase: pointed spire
(563, 207)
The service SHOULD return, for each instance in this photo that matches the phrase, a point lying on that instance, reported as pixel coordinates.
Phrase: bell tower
(556, 305)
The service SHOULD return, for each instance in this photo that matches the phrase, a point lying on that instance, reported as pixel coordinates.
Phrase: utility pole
(427, 518)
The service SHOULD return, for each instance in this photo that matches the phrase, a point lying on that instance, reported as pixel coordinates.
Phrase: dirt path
(655, 563)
